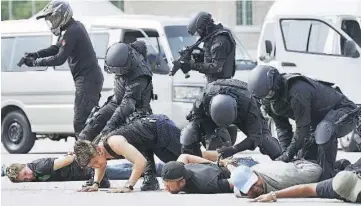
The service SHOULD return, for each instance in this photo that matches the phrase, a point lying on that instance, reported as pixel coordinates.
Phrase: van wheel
(16, 134)
(351, 142)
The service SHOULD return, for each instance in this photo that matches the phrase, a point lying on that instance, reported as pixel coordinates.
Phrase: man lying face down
(276, 175)
(193, 174)
(50, 169)
(346, 186)
(202, 176)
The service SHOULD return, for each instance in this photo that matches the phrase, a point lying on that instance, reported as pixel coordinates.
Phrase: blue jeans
(121, 170)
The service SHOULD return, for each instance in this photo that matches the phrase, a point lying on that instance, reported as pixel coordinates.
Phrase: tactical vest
(232, 87)
(140, 67)
(229, 66)
(282, 106)
(288, 78)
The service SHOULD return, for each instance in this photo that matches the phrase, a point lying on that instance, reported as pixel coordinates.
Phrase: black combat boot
(150, 181)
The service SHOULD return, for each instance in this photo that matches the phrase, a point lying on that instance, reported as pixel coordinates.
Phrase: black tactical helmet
(118, 59)
(199, 23)
(57, 14)
(223, 109)
(140, 47)
(263, 81)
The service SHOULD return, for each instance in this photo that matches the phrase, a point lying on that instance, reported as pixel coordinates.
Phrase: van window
(352, 28)
(21, 45)
(155, 52)
(100, 43)
(6, 52)
(310, 36)
(179, 38)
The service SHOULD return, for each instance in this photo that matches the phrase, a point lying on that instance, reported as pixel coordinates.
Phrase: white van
(320, 39)
(38, 101)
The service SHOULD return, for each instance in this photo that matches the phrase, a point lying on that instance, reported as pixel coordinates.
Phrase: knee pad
(271, 147)
(190, 134)
(325, 130)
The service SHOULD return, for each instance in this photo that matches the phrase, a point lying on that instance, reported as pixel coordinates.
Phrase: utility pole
(10, 9)
(33, 7)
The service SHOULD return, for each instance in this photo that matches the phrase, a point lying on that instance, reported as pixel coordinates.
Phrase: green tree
(23, 9)
(20, 9)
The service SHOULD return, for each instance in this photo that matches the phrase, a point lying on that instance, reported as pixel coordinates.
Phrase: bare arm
(210, 155)
(305, 190)
(297, 191)
(129, 152)
(63, 162)
(187, 159)
(99, 173)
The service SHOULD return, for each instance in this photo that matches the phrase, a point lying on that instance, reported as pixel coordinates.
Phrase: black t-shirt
(43, 171)
(207, 179)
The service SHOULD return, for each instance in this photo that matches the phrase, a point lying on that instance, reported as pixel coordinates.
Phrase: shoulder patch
(216, 45)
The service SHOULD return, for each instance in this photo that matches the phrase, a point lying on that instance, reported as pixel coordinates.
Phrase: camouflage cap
(12, 172)
(84, 151)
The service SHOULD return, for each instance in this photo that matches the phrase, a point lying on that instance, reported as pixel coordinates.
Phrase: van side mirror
(269, 48)
(350, 49)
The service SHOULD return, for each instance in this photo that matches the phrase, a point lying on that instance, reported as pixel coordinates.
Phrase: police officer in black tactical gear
(133, 91)
(316, 106)
(219, 49)
(226, 102)
(75, 46)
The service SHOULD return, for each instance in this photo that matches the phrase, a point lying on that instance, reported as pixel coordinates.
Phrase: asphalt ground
(65, 193)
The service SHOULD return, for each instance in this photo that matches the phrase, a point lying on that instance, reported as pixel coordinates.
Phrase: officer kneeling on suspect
(321, 111)
(155, 133)
(225, 103)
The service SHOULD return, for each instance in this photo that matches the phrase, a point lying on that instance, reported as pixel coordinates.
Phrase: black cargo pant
(87, 94)
(98, 120)
(327, 133)
(164, 154)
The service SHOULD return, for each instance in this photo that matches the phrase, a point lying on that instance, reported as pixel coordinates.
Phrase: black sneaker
(150, 183)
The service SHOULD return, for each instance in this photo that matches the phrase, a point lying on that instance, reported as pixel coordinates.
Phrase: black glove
(29, 61)
(187, 66)
(284, 157)
(189, 115)
(34, 55)
(225, 152)
(198, 57)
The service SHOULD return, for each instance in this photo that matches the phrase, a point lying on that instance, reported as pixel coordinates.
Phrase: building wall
(222, 11)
